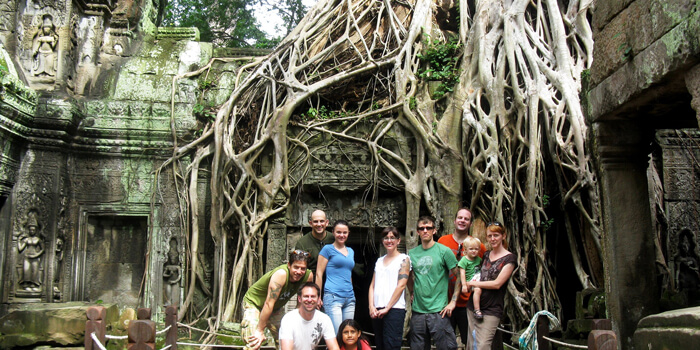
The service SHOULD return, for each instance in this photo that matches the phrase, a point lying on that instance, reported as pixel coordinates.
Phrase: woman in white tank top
(387, 302)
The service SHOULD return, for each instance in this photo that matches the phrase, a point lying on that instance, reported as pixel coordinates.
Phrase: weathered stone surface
(676, 50)
(692, 82)
(679, 153)
(605, 10)
(30, 324)
(624, 38)
(677, 329)
(126, 316)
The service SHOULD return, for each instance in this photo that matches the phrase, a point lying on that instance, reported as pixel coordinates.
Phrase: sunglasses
(300, 252)
(426, 228)
(494, 223)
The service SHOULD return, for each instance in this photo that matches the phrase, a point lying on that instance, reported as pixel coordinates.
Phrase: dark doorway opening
(115, 259)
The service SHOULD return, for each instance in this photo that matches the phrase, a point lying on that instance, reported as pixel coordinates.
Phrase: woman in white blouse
(387, 303)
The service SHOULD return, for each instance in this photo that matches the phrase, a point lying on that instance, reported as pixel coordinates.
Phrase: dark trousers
(459, 321)
(425, 327)
(388, 330)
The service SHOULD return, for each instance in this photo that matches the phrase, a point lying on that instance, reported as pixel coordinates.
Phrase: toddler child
(469, 267)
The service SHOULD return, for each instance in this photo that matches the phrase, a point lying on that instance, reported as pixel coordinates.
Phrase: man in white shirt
(303, 328)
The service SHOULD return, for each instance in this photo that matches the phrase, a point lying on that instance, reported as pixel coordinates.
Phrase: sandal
(478, 315)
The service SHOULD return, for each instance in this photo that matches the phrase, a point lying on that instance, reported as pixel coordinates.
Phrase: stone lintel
(674, 52)
(97, 7)
(620, 143)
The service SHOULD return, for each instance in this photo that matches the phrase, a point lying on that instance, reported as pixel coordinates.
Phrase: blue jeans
(389, 329)
(338, 308)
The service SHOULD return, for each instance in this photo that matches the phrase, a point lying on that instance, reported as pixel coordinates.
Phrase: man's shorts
(251, 317)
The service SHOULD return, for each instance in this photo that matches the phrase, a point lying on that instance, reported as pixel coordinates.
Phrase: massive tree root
(350, 71)
(523, 123)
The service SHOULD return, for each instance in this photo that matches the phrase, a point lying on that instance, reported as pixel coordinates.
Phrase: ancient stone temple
(87, 115)
(95, 98)
(92, 96)
(643, 106)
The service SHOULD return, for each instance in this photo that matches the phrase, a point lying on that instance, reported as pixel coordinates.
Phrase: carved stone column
(35, 242)
(87, 32)
(681, 179)
(276, 245)
(628, 237)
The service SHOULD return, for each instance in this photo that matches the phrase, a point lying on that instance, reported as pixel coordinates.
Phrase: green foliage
(412, 103)
(440, 59)
(549, 222)
(291, 12)
(624, 49)
(266, 43)
(227, 23)
(206, 84)
(322, 113)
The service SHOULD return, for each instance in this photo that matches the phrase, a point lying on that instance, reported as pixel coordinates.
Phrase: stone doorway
(115, 259)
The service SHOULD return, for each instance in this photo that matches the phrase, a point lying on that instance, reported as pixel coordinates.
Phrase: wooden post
(543, 331)
(96, 323)
(602, 340)
(142, 332)
(171, 321)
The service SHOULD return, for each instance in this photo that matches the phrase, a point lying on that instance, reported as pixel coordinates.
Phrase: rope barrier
(575, 346)
(209, 332)
(510, 346)
(108, 336)
(164, 330)
(121, 337)
(224, 346)
(507, 331)
(166, 347)
(97, 341)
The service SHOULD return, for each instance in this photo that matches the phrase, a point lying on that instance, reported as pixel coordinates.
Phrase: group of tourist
(455, 284)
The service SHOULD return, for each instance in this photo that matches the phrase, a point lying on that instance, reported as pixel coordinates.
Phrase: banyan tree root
(512, 121)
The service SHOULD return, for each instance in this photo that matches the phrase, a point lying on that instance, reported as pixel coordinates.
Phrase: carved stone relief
(88, 32)
(387, 211)
(172, 274)
(44, 49)
(276, 245)
(30, 249)
(7, 15)
(9, 163)
(39, 45)
(122, 28)
(62, 226)
(680, 152)
(686, 262)
(342, 167)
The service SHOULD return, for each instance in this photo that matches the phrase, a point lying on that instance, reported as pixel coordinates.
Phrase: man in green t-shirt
(313, 241)
(431, 265)
(264, 300)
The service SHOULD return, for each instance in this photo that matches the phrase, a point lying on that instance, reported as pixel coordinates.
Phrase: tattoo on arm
(274, 291)
(403, 269)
